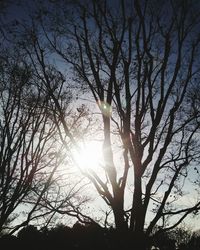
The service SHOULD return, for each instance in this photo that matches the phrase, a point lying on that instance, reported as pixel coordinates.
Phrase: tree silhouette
(25, 133)
(139, 61)
(30, 155)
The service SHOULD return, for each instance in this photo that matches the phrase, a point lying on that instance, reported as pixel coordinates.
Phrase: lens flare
(105, 108)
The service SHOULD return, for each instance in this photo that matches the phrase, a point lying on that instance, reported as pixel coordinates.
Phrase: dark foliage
(89, 237)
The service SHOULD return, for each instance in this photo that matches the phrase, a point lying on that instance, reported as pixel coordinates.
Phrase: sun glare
(89, 155)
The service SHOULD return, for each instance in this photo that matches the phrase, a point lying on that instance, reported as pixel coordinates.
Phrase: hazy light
(89, 155)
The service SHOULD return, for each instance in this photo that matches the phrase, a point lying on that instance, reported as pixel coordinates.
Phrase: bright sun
(89, 155)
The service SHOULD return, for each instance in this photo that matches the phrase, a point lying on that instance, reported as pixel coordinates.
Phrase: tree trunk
(120, 222)
(137, 218)
(139, 240)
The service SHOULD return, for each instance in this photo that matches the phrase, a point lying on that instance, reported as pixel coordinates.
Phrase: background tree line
(83, 236)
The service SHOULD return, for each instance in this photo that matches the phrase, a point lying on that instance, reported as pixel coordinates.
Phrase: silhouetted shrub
(9, 242)
(29, 238)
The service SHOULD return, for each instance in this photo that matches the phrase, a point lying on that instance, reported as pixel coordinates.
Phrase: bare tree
(31, 156)
(144, 63)
(140, 62)
(25, 132)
